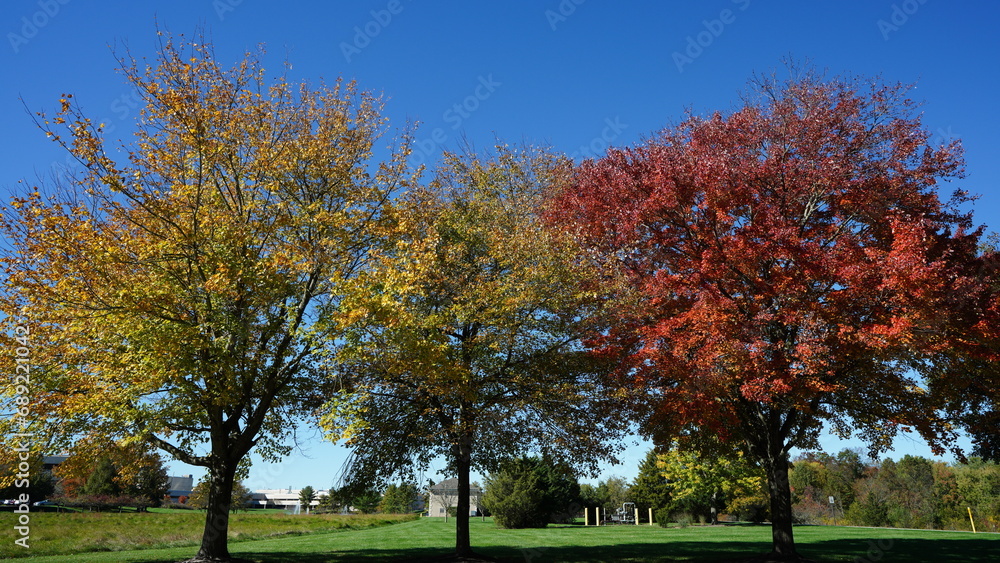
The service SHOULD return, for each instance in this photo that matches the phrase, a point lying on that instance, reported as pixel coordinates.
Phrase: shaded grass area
(430, 537)
(53, 533)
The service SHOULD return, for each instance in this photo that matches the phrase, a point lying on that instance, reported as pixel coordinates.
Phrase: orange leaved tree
(176, 290)
(789, 263)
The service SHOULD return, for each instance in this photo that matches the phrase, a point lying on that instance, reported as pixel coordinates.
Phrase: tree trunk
(783, 545)
(215, 540)
(463, 463)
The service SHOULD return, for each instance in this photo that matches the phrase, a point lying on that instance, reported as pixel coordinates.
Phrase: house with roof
(50, 462)
(180, 486)
(444, 495)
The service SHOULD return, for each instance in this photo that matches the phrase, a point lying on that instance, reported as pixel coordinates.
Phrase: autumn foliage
(247, 261)
(787, 265)
(175, 288)
(463, 339)
(136, 471)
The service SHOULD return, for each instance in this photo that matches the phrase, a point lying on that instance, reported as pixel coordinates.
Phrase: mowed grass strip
(428, 537)
(55, 533)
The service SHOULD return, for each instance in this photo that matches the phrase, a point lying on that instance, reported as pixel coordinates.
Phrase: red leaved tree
(967, 380)
(785, 265)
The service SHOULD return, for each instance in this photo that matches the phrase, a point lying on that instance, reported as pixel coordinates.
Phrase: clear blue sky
(576, 74)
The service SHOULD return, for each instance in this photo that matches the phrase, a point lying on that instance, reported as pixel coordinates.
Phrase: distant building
(50, 462)
(287, 499)
(445, 495)
(181, 486)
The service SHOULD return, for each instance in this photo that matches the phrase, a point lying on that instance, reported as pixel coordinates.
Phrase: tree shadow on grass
(884, 549)
(638, 552)
(909, 550)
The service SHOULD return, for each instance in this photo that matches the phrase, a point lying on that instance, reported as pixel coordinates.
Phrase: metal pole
(971, 520)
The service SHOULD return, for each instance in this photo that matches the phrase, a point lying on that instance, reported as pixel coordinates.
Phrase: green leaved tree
(306, 497)
(463, 339)
(398, 498)
(706, 483)
(650, 490)
(531, 492)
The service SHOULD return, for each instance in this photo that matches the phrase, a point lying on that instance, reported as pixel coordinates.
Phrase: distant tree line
(112, 477)
(912, 492)
(843, 488)
(687, 487)
(395, 498)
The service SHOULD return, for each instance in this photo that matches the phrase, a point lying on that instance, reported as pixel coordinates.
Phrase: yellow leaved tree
(176, 290)
(712, 479)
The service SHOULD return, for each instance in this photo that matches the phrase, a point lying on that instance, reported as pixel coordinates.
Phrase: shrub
(100, 503)
(530, 492)
(662, 516)
(807, 513)
(176, 506)
(515, 500)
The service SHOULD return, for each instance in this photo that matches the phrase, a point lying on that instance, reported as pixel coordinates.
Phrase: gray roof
(451, 486)
(181, 485)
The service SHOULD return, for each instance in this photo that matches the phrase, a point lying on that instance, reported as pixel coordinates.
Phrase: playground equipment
(624, 515)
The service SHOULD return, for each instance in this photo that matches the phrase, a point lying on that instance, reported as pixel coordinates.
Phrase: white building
(287, 499)
(445, 495)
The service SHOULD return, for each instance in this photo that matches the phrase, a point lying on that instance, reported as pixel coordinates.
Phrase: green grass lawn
(61, 534)
(430, 536)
